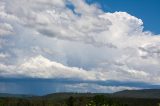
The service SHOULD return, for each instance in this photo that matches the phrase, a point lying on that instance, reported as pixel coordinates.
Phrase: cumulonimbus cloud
(108, 46)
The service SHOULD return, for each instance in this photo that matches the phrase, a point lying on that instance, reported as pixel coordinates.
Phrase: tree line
(98, 100)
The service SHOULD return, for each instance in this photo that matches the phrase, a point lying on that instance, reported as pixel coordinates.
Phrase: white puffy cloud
(41, 67)
(86, 44)
(2, 55)
(54, 19)
(150, 50)
(5, 29)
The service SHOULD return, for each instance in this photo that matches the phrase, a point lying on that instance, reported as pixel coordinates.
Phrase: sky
(104, 46)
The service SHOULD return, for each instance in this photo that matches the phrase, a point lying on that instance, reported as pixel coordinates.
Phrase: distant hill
(145, 93)
(15, 95)
(67, 95)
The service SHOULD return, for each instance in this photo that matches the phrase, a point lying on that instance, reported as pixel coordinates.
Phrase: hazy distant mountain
(67, 95)
(14, 95)
(145, 93)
